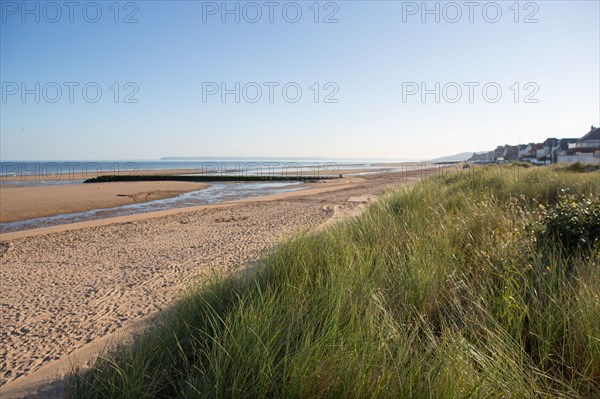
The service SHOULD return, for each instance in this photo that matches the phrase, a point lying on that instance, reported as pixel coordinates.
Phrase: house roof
(593, 134)
(564, 143)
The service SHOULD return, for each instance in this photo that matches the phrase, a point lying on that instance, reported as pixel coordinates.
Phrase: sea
(66, 172)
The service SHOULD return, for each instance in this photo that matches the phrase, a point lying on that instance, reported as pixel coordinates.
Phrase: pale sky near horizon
(361, 70)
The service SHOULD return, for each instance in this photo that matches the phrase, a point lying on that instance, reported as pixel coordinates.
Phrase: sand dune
(66, 288)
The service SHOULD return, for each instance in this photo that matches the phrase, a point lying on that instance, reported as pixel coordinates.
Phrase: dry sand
(20, 203)
(69, 287)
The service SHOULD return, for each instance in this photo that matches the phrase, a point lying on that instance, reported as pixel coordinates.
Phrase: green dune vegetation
(483, 283)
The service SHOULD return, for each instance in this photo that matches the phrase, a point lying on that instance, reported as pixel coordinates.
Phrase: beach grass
(478, 284)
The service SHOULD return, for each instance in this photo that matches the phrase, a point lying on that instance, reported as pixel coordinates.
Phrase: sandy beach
(19, 200)
(67, 287)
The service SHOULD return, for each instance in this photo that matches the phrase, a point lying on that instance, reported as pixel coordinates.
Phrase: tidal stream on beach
(215, 193)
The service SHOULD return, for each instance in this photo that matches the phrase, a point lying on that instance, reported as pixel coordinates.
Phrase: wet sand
(21, 203)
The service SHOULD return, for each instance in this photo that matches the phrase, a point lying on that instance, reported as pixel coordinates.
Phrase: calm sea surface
(48, 169)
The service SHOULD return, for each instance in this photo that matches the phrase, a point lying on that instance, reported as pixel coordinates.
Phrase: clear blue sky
(369, 55)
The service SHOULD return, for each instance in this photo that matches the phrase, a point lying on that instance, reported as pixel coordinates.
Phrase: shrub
(573, 223)
(580, 167)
